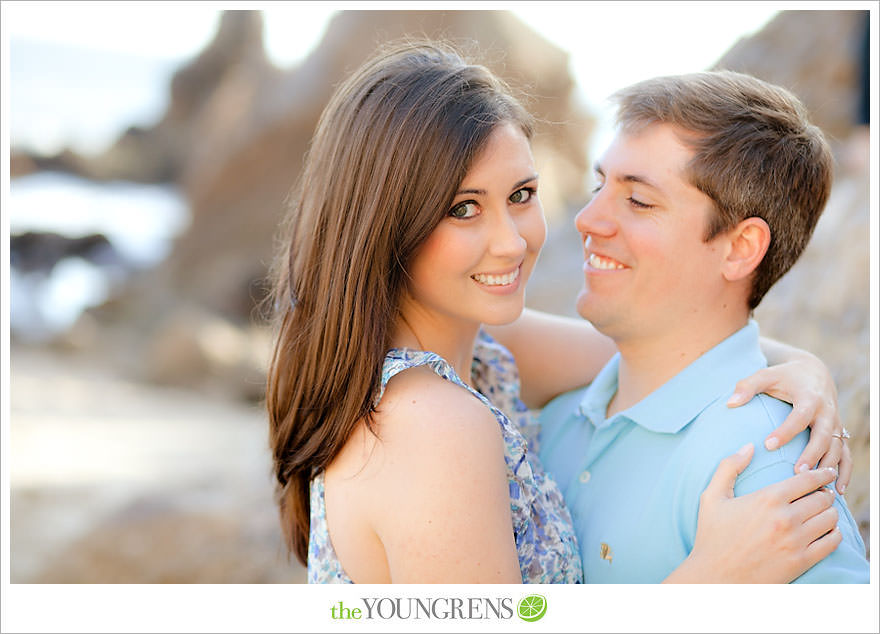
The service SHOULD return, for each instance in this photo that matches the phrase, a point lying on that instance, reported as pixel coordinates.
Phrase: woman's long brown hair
(390, 150)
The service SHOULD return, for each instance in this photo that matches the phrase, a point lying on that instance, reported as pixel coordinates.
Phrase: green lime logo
(532, 607)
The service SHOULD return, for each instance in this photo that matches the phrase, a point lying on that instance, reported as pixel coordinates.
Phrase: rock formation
(161, 152)
(252, 136)
(822, 304)
(234, 138)
(41, 251)
(815, 55)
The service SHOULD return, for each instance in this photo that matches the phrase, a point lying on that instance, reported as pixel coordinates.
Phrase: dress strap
(399, 359)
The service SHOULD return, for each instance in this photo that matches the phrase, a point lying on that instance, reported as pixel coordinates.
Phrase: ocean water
(140, 221)
(65, 96)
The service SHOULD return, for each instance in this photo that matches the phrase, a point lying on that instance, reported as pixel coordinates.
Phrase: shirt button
(605, 552)
(584, 477)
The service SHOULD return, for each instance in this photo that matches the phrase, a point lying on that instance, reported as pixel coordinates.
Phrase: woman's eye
(597, 188)
(464, 210)
(522, 195)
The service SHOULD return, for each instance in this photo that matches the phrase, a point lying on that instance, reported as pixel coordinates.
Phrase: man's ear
(747, 243)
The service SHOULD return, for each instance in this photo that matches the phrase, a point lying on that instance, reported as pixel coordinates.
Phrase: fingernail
(841, 488)
(772, 444)
(735, 399)
(802, 467)
(744, 449)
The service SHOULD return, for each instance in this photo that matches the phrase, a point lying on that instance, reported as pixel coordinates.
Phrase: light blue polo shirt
(633, 482)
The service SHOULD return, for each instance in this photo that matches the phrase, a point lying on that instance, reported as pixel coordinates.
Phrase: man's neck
(648, 362)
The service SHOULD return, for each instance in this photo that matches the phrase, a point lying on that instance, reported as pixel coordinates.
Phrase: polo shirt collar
(678, 401)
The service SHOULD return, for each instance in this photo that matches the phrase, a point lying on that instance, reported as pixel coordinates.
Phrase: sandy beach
(116, 482)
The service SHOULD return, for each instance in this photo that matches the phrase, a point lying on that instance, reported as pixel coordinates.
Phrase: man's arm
(847, 563)
(554, 354)
(769, 536)
(775, 501)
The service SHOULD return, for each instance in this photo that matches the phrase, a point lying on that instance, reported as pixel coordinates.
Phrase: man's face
(648, 271)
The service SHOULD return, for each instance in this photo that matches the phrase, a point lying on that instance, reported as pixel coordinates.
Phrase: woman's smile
(498, 281)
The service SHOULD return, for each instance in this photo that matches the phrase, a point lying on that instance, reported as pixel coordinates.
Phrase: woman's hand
(801, 379)
(770, 536)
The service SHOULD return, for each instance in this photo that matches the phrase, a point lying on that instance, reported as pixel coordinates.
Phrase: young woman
(416, 221)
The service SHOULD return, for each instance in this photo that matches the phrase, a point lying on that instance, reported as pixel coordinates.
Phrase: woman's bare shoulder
(420, 406)
(441, 484)
(423, 422)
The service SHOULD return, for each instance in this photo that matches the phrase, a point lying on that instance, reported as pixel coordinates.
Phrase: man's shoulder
(760, 413)
(719, 431)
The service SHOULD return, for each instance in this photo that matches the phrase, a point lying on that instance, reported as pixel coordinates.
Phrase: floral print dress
(542, 527)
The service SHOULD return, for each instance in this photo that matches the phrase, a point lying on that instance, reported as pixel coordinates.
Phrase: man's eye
(638, 203)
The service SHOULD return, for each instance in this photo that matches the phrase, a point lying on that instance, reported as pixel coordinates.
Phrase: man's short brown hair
(756, 155)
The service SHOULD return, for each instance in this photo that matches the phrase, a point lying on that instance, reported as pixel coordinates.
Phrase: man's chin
(586, 305)
(596, 312)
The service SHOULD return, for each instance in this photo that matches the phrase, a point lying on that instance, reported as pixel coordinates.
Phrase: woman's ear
(747, 244)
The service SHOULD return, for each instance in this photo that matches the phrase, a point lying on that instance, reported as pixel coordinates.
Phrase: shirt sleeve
(847, 564)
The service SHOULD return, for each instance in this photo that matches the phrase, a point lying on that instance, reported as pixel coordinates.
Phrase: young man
(707, 195)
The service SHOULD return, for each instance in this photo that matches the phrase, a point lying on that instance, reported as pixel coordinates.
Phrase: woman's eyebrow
(482, 192)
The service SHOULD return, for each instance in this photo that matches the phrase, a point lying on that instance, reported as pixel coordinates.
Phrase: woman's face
(475, 264)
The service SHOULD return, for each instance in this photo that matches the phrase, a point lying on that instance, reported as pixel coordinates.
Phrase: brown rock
(812, 53)
(160, 153)
(21, 164)
(822, 303)
(195, 348)
(240, 130)
(254, 130)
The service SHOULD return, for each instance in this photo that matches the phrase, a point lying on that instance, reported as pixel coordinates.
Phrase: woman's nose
(506, 239)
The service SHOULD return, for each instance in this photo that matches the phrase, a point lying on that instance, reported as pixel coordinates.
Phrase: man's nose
(596, 217)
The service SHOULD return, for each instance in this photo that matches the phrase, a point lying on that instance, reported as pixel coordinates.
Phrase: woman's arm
(554, 354)
(800, 378)
(442, 506)
(770, 536)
